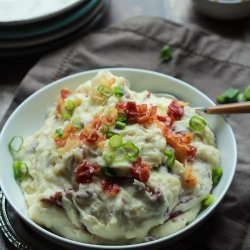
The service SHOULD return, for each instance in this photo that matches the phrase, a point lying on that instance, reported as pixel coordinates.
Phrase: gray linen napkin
(206, 61)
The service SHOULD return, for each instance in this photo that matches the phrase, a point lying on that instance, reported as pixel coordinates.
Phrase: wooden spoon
(231, 108)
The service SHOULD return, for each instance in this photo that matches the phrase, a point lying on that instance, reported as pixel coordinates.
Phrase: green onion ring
(217, 173)
(107, 92)
(208, 201)
(115, 141)
(118, 91)
(70, 106)
(21, 170)
(13, 148)
(171, 157)
(131, 150)
(197, 123)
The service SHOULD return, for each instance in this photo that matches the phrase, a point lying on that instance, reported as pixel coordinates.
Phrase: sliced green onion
(166, 53)
(208, 201)
(107, 92)
(171, 157)
(107, 172)
(66, 115)
(247, 93)
(131, 150)
(15, 144)
(197, 123)
(21, 170)
(217, 173)
(70, 106)
(118, 91)
(122, 117)
(241, 98)
(120, 125)
(77, 123)
(59, 132)
(115, 141)
(109, 157)
(230, 95)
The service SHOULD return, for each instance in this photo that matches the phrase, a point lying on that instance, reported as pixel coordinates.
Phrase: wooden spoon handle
(232, 108)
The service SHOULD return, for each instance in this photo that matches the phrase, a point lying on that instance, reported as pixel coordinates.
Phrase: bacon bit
(55, 199)
(138, 113)
(180, 142)
(175, 110)
(168, 121)
(112, 189)
(65, 92)
(140, 170)
(59, 142)
(188, 179)
(85, 171)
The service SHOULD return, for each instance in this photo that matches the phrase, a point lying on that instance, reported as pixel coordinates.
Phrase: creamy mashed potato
(113, 166)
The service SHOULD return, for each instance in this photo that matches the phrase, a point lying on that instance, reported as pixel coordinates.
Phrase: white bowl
(30, 116)
(223, 9)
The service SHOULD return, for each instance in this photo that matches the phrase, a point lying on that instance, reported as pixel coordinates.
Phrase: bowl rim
(197, 221)
(227, 2)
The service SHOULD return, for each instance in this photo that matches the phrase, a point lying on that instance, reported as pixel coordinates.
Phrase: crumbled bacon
(65, 92)
(138, 113)
(175, 110)
(85, 171)
(112, 189)
(168, 121)
(140, 170)
(59, 142)
(181, 144)
(55, 199)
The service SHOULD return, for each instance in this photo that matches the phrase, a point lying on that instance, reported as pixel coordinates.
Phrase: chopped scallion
(166, 53)
(171, 157)
(70, 105)
(21, 170)
(109, 134)
(230, 95)
(77, 123)
(131, 150)
(217, 173)
(120, 125)
(208, 201)
(122, 117)
(15, 144)
(59, 132)
(107, 92)
(118, 91)
(247, 93)
(197, 123)
(65, 114)
(109, 157)
(115, 141)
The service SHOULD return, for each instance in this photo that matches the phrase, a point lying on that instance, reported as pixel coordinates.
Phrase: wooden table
(181, 11)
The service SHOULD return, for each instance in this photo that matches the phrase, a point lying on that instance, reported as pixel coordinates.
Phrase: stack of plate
(33, 26)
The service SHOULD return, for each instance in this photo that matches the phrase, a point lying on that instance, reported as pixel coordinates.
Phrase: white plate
(30, 116)
(15, 12)
(24, 43)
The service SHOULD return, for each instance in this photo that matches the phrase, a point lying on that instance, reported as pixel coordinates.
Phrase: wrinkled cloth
(207, 62)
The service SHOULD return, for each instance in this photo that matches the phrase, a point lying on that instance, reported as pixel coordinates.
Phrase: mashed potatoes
(113, 166)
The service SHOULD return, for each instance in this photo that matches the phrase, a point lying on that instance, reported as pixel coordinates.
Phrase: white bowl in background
(30, 116)
(223, 9)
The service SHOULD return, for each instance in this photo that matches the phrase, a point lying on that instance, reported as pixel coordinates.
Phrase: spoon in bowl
(230, 108)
